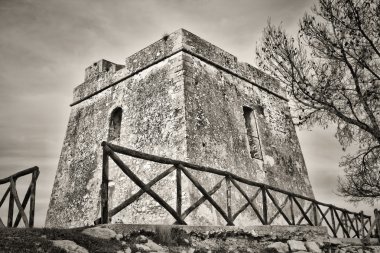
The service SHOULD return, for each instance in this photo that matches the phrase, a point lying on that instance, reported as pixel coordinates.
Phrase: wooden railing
(263, 199)
(14, 199)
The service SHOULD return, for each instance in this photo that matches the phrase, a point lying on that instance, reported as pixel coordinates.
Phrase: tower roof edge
(188, 42)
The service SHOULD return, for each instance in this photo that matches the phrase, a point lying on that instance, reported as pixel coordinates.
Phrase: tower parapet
(179, 41)
(100, 67)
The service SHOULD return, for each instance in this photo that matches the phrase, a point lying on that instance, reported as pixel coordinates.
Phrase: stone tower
(182, 98)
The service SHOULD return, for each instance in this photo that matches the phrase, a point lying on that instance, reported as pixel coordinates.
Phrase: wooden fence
(294, 209)
(14, 199)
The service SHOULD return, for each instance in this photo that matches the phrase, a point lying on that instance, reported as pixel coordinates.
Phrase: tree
(331, 70)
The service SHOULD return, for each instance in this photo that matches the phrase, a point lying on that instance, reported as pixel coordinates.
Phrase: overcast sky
(46, 45)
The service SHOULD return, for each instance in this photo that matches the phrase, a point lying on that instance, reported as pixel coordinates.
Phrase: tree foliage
(332, 73)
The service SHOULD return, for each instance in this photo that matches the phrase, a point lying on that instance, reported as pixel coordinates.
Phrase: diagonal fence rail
(14, 199)
(262, 199)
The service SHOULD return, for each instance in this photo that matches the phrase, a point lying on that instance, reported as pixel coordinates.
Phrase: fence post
(362, 223)
(32, 198)
(292, 210)
(357, 225)
(11, 207)
(179, 191)
(377, 221)
(315, 214)
(104, 189)
(333, 220)
(228, 186)
(346, 223)
(265, 204)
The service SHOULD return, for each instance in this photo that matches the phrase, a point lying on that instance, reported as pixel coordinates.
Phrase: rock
(320, 244)
(153, 246)
(185, 241)
(98, 232)
(334, 241)
(127, 250)
(313, 247)
(142, 247)
(119, 237)
(375, 249)
(277, 247)
(141, 239)
(69, 246)
(296, 245)
(203, 249)
(230, 249)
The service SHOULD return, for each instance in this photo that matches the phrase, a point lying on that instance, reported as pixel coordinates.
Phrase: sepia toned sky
(46, 45)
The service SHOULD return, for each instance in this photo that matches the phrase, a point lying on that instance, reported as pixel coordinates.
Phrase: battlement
(176, 42)
(100, 67)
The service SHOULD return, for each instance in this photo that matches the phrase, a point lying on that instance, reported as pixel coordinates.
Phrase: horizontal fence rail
(293, 209)
(14, 199)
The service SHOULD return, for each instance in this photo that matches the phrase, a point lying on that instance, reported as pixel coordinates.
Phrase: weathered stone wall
(182, 98)
(153, 121)
(217, 136)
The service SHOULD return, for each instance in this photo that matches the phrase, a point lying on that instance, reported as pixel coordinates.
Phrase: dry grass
(39, 240)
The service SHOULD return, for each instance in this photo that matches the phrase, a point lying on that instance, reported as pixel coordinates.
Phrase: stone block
(69, 246)
(277, 247)
(296, 246)
(334, 241)
(154, 246)
(313, 247)
(141, 239)
(375, 249)
(142, 247)
(98, 232)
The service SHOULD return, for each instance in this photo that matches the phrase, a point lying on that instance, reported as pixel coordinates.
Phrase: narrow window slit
(252, 133)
